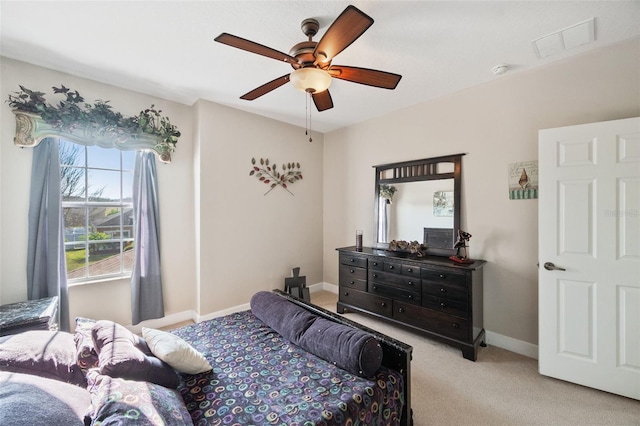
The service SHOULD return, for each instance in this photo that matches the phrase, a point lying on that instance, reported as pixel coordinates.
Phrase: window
(96, 186)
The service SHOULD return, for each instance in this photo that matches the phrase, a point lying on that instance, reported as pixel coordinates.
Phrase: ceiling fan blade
(253, 47)
(265, 88)
(346, 29)
(322, 100)
(375, 78)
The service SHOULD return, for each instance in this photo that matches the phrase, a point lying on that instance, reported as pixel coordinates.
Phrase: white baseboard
(323, 286)
(191, 315)
(165, 321)
(232, 310)
(513, 345)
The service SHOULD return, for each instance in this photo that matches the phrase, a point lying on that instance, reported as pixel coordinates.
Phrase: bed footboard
(396, 354)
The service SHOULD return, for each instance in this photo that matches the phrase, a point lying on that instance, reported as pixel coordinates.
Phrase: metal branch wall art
(269, 174)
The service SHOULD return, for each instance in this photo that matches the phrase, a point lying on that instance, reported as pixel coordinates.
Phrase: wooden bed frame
(396, 354)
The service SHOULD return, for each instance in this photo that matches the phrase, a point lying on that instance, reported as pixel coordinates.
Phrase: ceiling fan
(311, 61)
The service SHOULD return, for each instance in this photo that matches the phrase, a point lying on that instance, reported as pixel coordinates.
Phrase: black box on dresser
(431, 294)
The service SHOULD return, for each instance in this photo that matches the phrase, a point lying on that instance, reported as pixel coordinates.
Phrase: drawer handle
(410, 283)
(352, 282)
(352, 271)
(375, 263)
(442, 276)
(401, 310)
(442, 304)
(375, 275)
(410, 297)
(391, 267)
(375, 287)
(443, 290)
(409, 270)
(455, 325)
(352, 260)
(346, 293)
(384, 305)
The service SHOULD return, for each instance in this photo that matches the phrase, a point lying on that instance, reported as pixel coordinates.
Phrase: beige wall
(494, 124)
(222, 239)
(250, 241)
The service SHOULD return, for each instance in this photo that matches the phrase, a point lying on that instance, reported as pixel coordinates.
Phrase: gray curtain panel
(46, 269)
(146, 281)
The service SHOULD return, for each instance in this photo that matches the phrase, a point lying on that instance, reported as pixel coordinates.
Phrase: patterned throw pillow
(86, 354)
(125, 355)
(122, 402)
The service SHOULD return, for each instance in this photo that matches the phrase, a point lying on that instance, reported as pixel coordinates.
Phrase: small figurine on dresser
(461, 248)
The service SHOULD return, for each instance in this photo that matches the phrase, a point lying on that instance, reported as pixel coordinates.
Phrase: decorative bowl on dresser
(430, 294)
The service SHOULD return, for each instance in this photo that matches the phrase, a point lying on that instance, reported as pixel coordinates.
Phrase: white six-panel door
(589, 239)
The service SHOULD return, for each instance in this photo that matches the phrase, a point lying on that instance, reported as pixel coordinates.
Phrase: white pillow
(175, 351)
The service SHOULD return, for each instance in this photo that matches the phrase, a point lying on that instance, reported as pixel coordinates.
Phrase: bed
(283, 362)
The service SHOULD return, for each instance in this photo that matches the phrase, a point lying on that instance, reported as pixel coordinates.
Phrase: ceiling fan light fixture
(310, 80)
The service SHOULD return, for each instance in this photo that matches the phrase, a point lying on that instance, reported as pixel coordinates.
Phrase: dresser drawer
(447, 306)
(371, 302)
(451, 292)
(357, 261)
(407, 283)
(411, 270)
(396, 293)
(447, 276)
(393, 267)
(353, 284)
(436, 322)
(376, 264)
(348, 273)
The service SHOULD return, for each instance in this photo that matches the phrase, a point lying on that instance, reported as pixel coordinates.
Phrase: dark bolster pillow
(347, 347)
(122, 354)
(287, 319)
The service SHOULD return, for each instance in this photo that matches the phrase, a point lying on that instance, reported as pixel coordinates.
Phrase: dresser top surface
(401, 256)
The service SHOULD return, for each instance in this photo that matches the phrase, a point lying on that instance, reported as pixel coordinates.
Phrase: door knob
(549, 266)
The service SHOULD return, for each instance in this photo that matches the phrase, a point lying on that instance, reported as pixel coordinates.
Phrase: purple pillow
(347, 347)
(287, 319)
(125, 355)
(50, 354)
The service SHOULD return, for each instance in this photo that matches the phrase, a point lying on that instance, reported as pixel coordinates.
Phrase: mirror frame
(423, 170)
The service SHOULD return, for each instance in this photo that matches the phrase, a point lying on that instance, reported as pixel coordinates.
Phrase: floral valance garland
(89, 124)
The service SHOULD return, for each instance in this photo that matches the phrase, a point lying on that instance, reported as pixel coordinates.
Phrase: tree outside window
(96, 187)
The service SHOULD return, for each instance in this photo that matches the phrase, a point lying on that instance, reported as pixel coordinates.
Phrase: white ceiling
(166, 49)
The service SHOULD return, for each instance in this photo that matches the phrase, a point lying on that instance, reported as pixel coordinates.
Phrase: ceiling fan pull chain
(307, 130)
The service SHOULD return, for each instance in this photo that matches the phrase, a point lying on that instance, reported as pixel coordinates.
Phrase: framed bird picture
(523, 180)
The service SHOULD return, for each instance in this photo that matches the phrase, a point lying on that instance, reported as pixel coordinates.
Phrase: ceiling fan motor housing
(310, 27)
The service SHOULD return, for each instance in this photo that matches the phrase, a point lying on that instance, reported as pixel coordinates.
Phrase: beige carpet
(500, 388)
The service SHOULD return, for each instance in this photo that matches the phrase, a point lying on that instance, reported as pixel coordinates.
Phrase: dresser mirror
(419, 201)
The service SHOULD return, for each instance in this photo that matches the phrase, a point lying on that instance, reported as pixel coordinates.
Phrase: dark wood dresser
(431, 294)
